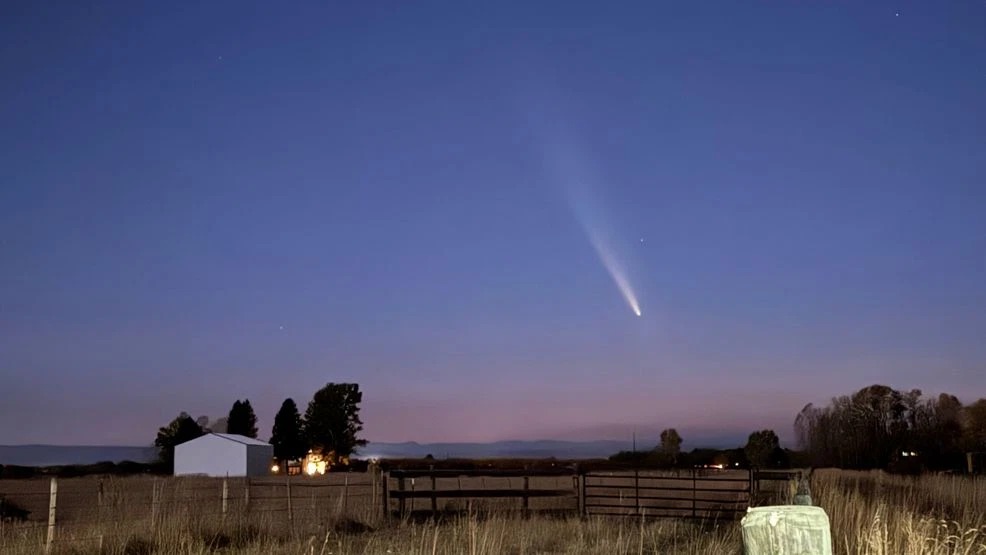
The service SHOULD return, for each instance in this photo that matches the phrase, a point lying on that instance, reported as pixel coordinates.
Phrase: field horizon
(42, 454)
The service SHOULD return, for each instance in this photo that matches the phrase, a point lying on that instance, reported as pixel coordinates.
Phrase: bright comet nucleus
(612, 265)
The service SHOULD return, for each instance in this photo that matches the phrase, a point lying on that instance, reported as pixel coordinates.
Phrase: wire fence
(47, 513)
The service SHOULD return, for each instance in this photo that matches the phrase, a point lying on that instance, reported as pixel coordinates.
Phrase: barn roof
(240, 439)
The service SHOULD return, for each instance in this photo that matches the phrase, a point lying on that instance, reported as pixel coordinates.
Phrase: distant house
(223, 455)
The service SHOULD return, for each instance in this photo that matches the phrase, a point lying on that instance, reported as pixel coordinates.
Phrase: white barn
(223, 455)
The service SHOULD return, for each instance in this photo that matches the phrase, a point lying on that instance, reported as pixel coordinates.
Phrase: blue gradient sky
(392, 186)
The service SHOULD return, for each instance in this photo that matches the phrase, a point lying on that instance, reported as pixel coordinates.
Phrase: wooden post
(99, 513)
(287, 482)
(583, 509)
(434, 493)
(401, 503)
(154, 503)
(693, 492)
(527, 499)
(246, 496)
(52, 503)
(225, 496)
(968, 462)
(412, 496)
(345, 494)
(385, 493)
(753, 487)
(636, 490)
(373, 484)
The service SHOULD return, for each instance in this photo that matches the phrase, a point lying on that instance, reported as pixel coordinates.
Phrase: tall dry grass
(871, 514)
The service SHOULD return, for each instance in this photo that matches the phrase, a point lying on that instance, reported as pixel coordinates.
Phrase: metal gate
(694, 493)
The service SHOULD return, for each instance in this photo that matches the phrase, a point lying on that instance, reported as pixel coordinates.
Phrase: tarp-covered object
(786, 530)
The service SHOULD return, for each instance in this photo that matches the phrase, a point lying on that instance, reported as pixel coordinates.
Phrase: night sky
(204, 203)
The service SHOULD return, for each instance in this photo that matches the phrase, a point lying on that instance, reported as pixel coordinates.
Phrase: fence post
(52, 503)
(753, 482)
(372, 469)
(434, 494)
(401, 503)
(412, 496)
(694, 485)
(154, 504)
(527, 487)
(225, 495)
(583, 507)
(99, 513)
(385, 492)
(287, 482)
(345, 495)
(636, 489)
(246, 496)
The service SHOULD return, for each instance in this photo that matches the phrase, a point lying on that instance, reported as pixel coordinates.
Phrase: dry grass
(870, 513)
(875, 514)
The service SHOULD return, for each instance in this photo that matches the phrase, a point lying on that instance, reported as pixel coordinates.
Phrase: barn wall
(212, 456)
(259, 459)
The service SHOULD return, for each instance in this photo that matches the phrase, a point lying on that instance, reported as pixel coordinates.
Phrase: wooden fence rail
(696, 493)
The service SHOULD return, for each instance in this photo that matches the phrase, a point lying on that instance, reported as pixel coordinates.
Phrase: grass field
(870, 513)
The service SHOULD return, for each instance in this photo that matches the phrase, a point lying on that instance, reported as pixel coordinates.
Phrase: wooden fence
(406, 486)
(90, 508)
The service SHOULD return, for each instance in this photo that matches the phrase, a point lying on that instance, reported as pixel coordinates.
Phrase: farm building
(223, 455)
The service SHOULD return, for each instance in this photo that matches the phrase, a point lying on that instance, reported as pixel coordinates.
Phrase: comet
(613, 266)
(589, 212)
(568, 166)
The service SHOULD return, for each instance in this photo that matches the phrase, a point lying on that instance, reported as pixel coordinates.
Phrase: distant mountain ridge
(57, 455)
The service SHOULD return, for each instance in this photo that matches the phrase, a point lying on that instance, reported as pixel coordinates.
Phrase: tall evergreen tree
(242, 420)
(287, 437)
(332, 422)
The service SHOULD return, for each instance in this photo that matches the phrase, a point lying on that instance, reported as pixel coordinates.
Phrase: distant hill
(58, 455)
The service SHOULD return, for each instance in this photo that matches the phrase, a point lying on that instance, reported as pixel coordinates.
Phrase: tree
(975, 416)
(242, 420)
(219, 425)
(287, 436)
(877, 427)
(332, 421)
(761, 447)
(178, 431)
(671, 444)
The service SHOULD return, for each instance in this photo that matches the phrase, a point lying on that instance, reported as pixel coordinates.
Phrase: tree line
(330, 426)
(881, 427)
(762, 450)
